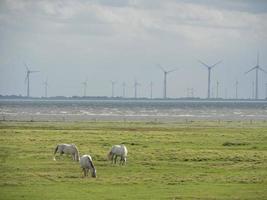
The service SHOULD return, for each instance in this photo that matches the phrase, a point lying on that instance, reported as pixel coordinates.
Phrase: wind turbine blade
(262, 70)
(216, 64)
(46, 81)
(251, 69)
(33, 71)
(26, 78)
(204, 64)
(161, 67)
(26, 67)
(173, 70)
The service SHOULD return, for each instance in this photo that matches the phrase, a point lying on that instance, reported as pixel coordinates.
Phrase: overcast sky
(124, 40)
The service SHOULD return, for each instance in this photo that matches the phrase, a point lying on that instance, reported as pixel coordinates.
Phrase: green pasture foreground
(195, 160)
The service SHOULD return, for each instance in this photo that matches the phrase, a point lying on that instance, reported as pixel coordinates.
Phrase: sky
(126, 40)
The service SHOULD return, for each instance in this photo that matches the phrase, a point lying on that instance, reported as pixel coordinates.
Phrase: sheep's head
(94, 173)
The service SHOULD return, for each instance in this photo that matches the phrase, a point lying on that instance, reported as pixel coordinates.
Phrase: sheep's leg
(60, 154)
(123, 160)
(84, 172)
(77, 158)
(116, 159)
(112, 158)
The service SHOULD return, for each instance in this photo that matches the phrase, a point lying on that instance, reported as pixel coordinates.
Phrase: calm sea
(135, 110)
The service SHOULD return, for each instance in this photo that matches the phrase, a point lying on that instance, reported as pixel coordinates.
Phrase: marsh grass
(193, 160)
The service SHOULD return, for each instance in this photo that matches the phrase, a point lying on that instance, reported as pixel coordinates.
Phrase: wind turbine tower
(123, 89)
(253, 93)
(165, 72)
(256, 68)
(151, 90)
(46, 86)
(112, 88)
(136, 84)
(27, 79)
(190, 93)
(236, 89)
(85, 87)
(217, 90)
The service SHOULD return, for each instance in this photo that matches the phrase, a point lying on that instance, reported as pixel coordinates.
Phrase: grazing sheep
(86, 165)
(118, 150)
(67, 149)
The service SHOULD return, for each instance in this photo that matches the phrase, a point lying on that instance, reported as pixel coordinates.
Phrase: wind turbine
(190, 92)
(85, 86)
(27, 79)
(112, 88)
(136, 84)
(253, 93)
(165, 80)
(151, 89)
(123, 89)
(217, 90)
(46, 85)
(256, 68)
(209, 67)
(236, 89)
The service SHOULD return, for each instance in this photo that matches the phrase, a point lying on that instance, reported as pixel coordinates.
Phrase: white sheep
(86, 163)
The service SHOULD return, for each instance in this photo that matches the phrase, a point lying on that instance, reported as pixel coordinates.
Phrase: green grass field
(194, 160)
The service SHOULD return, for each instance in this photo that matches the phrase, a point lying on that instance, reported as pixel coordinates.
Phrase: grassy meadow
(194, 160)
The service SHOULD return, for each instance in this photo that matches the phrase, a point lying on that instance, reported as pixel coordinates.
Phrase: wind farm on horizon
(189, 94)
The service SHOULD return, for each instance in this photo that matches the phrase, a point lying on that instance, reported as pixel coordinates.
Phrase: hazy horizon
(125, 40)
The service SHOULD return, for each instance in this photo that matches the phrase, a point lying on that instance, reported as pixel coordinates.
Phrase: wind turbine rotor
(216, 64)
(32, 71)
(161, 67)
(27, 68)
(204, 64)
(170, 71)
(251, 69)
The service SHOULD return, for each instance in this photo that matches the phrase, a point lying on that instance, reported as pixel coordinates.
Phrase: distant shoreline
(198, 99)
